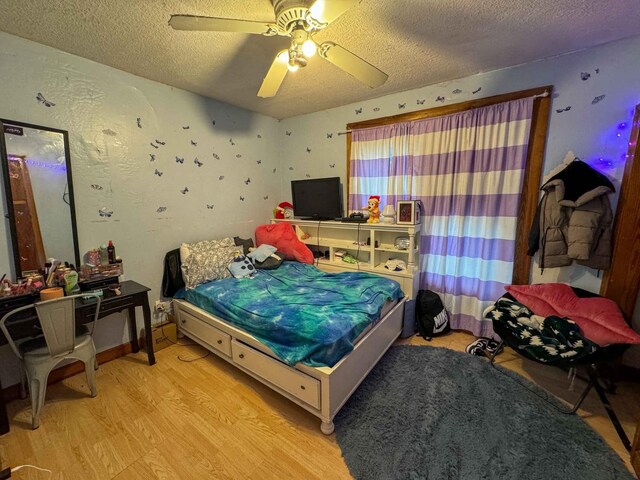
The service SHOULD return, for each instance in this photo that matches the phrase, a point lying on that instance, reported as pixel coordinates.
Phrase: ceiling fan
(300, 20)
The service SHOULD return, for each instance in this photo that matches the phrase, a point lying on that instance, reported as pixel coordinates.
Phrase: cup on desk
(51, 293)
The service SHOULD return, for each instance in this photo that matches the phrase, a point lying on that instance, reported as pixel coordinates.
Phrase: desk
(133, 295)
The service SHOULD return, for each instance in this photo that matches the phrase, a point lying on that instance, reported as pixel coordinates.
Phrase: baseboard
(12, 392)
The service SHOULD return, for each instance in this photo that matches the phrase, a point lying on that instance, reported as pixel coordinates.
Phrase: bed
(311, 336)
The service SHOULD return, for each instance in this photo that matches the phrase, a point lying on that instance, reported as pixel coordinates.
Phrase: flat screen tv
(317, 198)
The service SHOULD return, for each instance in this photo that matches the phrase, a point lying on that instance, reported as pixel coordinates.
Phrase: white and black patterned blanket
(548, 340)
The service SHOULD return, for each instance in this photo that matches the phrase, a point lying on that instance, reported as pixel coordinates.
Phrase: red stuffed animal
(283, 237)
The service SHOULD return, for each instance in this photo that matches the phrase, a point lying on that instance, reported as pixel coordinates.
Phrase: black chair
(591, 363)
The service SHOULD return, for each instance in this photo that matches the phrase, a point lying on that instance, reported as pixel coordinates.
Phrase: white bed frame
(320, 390)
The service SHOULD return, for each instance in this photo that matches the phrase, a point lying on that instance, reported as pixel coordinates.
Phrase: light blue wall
(112, 167)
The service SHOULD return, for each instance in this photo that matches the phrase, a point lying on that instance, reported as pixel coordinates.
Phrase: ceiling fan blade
(214, 24)
(352, 64)
(275, 75)
(326, 11)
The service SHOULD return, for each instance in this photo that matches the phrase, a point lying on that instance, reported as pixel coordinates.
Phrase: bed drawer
(296, 383)
(205, 332)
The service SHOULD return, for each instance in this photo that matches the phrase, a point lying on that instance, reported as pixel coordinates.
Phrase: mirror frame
(9, 196)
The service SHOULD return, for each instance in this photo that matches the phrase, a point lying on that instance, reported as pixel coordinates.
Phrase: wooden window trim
(533, 169)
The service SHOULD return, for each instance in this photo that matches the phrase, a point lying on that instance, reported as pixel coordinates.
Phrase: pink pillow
(599, 318)
(282, 236)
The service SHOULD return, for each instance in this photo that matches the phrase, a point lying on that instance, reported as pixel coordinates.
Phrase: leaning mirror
(38, 195)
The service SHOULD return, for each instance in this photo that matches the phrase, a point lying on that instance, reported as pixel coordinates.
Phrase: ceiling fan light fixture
(293, 67)
(283, 56)
(309, 48)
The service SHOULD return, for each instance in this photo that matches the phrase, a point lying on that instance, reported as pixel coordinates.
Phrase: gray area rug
(433, 413)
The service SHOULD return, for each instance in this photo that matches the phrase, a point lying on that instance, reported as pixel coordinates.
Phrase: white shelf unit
(329, 236)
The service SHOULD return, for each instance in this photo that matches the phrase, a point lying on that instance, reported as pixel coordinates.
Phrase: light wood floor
(207, 420)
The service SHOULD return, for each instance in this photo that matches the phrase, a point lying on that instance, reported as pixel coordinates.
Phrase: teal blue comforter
(301, 313)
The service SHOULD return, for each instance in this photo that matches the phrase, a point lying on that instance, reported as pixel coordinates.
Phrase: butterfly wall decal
(209, 206)
(160, 142)
(259, 136)
(287, 133)
(221, 177)
(44, 101)
(216, 156)
(152, 157)
(161, 209)
(186, 127)
(420, 102)
(154, 145)
(440, 99)
(247, 181)
(266, 197)
(198, 162)
(158, 172)
(242, 199)
(585, 76)
(103, 212)
(231, 141)
(457, 91)
(329, 135)
(259, 162)
(139, 122)
(565, 109)
(477, 90)
(376, 109)
(95, 186)
(185, 190)
(194, 143)
(597, 99)
(179, 160)
(332, 165)
(402, 106)
(308, 150)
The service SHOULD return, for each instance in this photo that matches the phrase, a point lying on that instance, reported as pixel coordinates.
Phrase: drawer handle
(219, 342)
(241, 355)
(302, 387)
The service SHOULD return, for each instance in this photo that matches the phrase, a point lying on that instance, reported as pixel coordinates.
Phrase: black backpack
(431, 317)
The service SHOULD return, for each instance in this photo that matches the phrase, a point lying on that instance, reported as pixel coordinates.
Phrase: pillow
(271, 263)
(246, 244)
(185, 248)
(241, 267)
(282, 236)
(261, 253)
(206, 263)
(599, 318)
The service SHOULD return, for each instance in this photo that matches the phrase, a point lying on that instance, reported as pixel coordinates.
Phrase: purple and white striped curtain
(380, 165)
(468, 169)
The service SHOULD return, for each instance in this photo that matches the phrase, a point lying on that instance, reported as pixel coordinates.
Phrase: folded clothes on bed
(301, 313)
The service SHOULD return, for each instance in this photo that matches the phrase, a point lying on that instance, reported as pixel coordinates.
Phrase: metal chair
(61, 340)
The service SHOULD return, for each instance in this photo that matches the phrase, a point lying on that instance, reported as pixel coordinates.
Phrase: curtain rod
(544, 94)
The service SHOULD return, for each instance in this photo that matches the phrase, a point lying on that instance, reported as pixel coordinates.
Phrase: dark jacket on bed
(172, 275)
(574, 219)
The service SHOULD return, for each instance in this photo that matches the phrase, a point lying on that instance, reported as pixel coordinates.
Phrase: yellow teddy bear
(373, 205)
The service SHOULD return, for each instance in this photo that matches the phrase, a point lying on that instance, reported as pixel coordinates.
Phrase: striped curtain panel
(468, 170)
(380, 164)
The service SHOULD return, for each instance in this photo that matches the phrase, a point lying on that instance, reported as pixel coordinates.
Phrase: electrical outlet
(160, 306)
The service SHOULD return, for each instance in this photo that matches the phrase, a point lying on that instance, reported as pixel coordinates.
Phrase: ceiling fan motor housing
(291, 14)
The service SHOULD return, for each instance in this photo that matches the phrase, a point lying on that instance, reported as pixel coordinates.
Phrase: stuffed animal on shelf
(283, 210)
(373, 205)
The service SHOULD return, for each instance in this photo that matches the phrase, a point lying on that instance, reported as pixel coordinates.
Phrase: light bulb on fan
(292, 68)
(309, 48)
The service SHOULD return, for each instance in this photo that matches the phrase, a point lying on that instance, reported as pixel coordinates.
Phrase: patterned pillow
(208, 260)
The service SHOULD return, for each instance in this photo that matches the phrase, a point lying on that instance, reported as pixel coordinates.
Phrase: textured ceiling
(417, 42)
